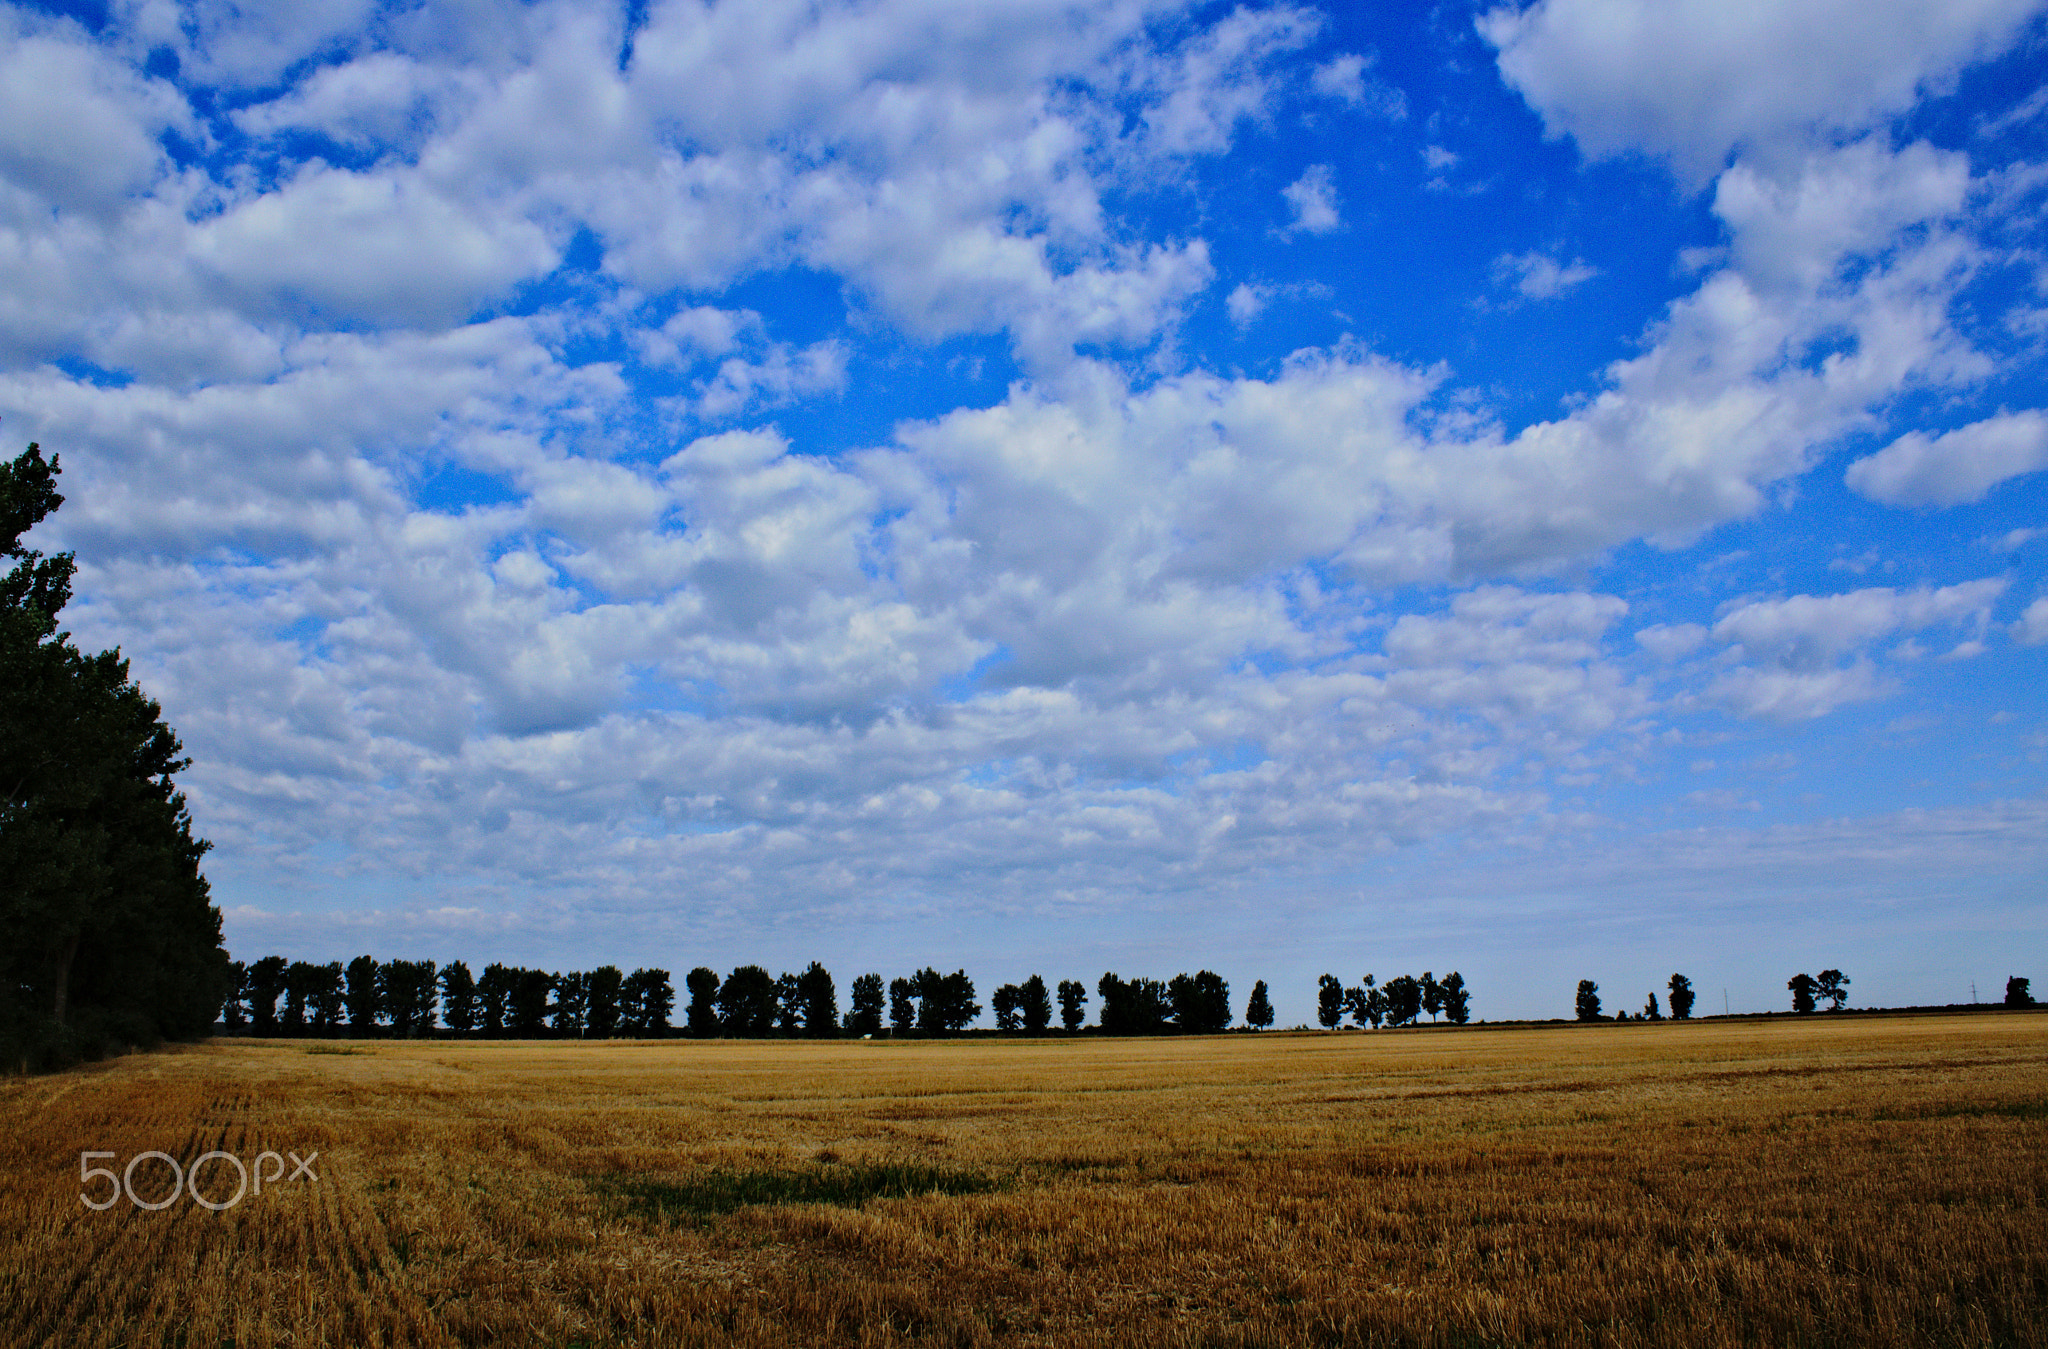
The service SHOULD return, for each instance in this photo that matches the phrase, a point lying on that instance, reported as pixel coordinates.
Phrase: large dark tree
(1681, 997)
(702, 1016)
(1834, 986)
(2019, 992)
(1803, 987)
(902, 1006)
(1587, 1004)
(527, 1006)
(1329, 1000)
(1457, 999)
(601, 989)
(107, 933)
(865, 1016)
(1201, 1002)
(363, 985)
(264, 982)
(818, 999)
(1404, 999)
(494, 998)
(748, 1002)
(458, 997)
(1258, 1012)
(1004, 1003)
(1036, 1007)
(1073, 1004)
(1133, 1006)
(645, 999)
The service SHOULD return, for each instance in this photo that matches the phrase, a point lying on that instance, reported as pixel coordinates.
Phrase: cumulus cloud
(1804, 656)
(1693, 80)
(1345, 79)
(1313, 199)
(1538, 276)
(1956, 466)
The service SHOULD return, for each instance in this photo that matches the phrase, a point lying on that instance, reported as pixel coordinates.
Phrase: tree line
(1400, 1001)
(412, 998)
(108, 934)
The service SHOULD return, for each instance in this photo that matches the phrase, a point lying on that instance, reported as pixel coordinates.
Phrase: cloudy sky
(1068, 485)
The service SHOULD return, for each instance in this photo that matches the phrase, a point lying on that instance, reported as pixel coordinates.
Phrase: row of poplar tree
(1398, 1002)
(108, 934)
(272, 996)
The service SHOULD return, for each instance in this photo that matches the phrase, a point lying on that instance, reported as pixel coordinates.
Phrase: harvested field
(1877, 1181)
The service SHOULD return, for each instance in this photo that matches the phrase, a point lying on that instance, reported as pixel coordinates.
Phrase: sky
(1058, 486)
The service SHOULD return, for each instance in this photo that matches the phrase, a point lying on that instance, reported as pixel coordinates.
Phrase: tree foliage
(107, 931)
(1587, 1004)
(1258, 1009)
(1803, 987)
(1681, 997)
(2018, 992)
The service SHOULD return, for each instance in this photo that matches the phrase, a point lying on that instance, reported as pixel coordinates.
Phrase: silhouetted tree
(1132, 1006)
(646, 997)
(265, 982)
(1650, 1012)
(234, 1007)
(1201, 1003)
(1588, 1004)
(748, 1002)
(1457, 999)
(1681, 998)
(1404, 999)
(945, 1002)
(1834, 986)
(494, 998)
(902, 1006)
(324, 997)
(601, 990)
(702, 1018)
(864, 1017)
(2018, 992)
(789, 1004)
(298, 978)
(1034, 1006)
(528, 1005)
(362, 993)
(108, 936)
(819, 999)
(1803, 987)
(1329, 1001)
(1432, 995)
(1073, 1004)
(458, 997)
(1258, 1009)
(572, 1001)
(411, 996)
(1004, 1002)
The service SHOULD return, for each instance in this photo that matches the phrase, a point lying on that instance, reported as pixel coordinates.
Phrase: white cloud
(1805, 654)
(1344, 78)
(1956, 466)
(1313, 198)
(2032, 627)
(1538, 276)
(76, 127)
(387, 247)
(1246, 302)
(1696, 79)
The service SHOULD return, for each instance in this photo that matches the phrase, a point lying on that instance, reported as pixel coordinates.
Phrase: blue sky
(1554, 492)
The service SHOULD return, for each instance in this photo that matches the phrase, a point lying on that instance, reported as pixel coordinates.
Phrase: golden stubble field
(1874, 1181)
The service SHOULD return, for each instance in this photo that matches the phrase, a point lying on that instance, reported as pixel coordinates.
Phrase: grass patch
(711, 1194)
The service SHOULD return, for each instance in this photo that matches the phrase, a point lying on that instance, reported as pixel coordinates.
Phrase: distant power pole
(1724, 1002)
(1973, 990)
